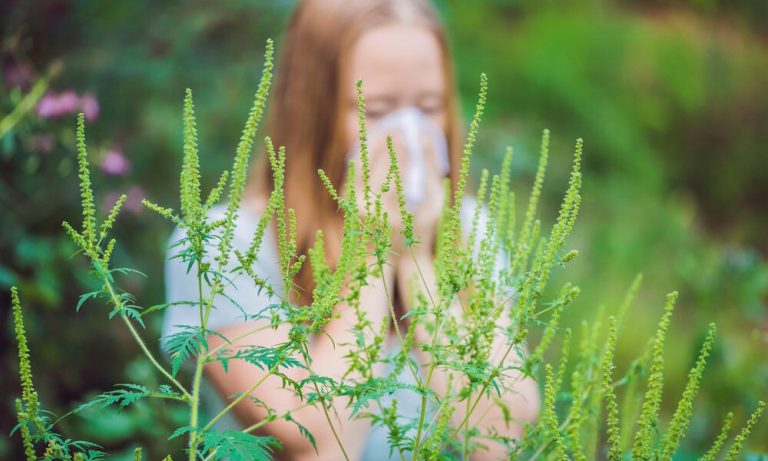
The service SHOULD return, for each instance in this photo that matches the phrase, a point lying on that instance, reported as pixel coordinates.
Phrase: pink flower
(48, 106)
(89, 105)
(54, 105)
(114, 162)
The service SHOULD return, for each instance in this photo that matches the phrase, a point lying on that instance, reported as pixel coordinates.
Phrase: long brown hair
(307, 106)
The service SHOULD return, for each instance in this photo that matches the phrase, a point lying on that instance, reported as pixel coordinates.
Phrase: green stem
(321, 397)
(26, 104)
(482, 391)
(268, 420)
(194, 435)
(465, 448)
(330, 423)
(152, 359)
(243, 395)
(391, 306)
(433, 363)
(417, 440)
(194, 408)
(120, 307)
(216, 349)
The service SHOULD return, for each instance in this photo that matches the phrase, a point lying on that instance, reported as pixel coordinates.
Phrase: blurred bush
(669, 96)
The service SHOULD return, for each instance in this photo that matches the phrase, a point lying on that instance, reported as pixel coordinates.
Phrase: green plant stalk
(268, 420)
(465, 447)
(433, 364)
(482, 391)
(119, 304)
(416, 377)
(23, 107)
(392, 314)
(154, 361)
(330, 423)
(243, 395)
(216, 349)
(196, 380)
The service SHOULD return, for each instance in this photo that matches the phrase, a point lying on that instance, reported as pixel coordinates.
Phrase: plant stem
(391, 306)
(199, 362)
(152, 359)
(24, 106)
(330, 423)
(120, 307)
(465, 447)
(243, 395)
(433, 363)
(482, 391)
(194, 406)
(265, 421)
(210, 353)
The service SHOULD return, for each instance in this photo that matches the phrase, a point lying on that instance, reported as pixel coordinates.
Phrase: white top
(182, 286)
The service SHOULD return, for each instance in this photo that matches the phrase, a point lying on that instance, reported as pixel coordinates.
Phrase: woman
(398, 48)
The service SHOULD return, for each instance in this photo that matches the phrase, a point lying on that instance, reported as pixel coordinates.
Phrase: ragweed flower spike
(405, 215)
(506, 168)
(86, 190)
(652, 400)
(523, 246)
(549, 414)
(106, 226)
(611, 406)
(722, 436)
(364, 160)
(628, 298)
(684, 411)
(26, 436)
(449, 279)
(28, 407)
(28, 393)
(244, 148)
(738, 442)
(190, 169)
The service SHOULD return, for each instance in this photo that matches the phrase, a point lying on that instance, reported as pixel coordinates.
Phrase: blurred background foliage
(670, 97)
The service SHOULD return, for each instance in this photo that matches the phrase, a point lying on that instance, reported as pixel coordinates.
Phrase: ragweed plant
(473, 323)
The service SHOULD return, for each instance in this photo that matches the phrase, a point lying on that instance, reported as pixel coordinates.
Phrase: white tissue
(413, 125)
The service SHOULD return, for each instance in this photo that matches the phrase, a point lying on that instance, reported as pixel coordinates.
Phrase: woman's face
(400, 65)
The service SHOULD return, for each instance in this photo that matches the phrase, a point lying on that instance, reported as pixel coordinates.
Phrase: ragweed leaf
(191, 340)
(121, 397)
(238, 446)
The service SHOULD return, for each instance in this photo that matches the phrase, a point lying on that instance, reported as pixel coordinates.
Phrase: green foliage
(612, 408)
(684, 410)
(237, 446)
(717, 445)
(498, 309)
(34, 425)
(738, 442)
(648, 421)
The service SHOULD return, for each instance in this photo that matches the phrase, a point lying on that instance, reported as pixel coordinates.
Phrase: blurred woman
(399, 49)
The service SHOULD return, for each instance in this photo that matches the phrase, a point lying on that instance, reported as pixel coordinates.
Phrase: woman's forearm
(328, 352)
